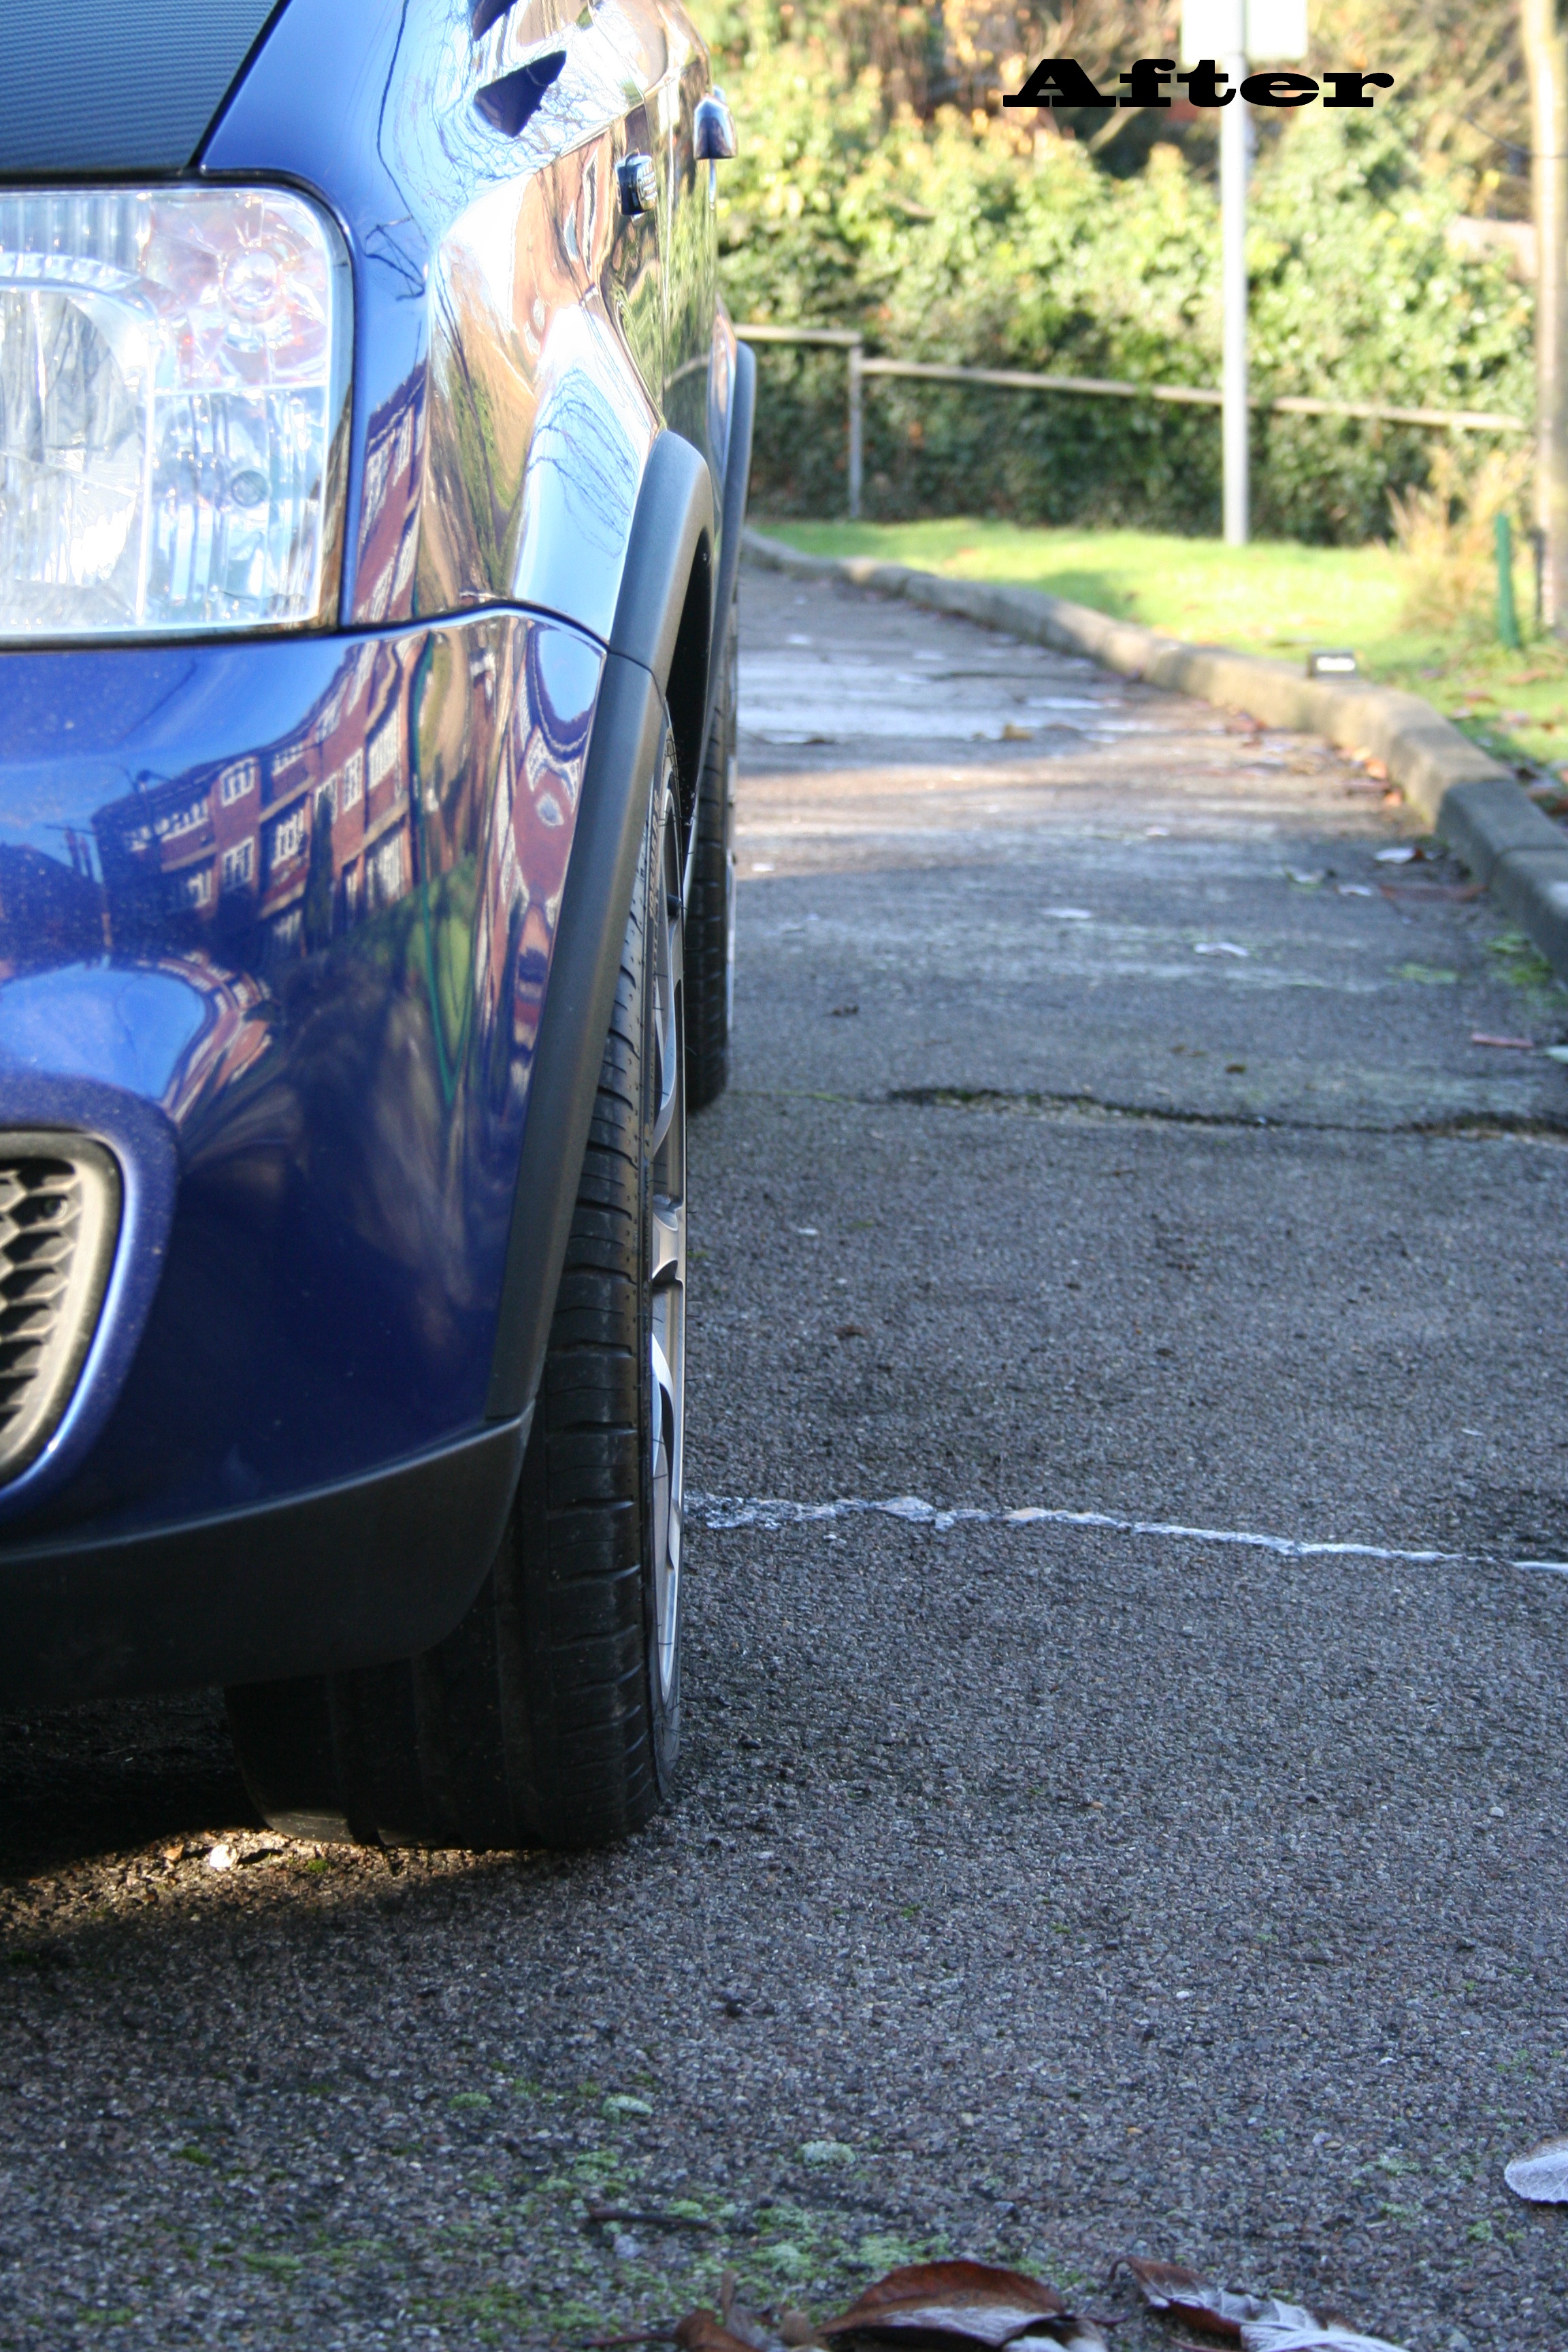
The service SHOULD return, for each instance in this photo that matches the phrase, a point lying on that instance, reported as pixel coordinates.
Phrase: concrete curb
(1464, 794)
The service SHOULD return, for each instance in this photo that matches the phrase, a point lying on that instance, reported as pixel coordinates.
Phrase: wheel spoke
(668, 1254)
(666, 1247)
(669, 1042)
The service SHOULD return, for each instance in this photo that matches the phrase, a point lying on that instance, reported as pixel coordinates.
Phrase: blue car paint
(318, 1092)
(82, 1020)
(317, 957)
(509, 362)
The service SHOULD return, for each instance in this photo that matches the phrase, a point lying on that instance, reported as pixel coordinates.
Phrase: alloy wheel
(667, 1389)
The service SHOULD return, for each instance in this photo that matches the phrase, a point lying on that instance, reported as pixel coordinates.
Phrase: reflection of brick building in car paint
(390, 533)
(234, 1035)
(539, 776)
(244, 831)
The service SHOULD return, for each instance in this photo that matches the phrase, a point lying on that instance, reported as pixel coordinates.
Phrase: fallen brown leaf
(974, 2303)
(749, 2327)
(1257, 2323)
(1166, 2286)
(704, 2331)
(1071, 2332)
(973, 2300)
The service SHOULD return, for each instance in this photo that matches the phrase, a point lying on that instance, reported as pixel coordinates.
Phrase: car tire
(551, 1717)
(710, 919)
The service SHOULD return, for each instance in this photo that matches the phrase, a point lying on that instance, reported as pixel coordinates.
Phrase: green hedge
(941, 242)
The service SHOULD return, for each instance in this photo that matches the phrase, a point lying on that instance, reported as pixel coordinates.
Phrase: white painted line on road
(720, 1511)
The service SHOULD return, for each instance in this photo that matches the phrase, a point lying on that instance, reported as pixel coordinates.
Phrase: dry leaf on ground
(1296, 2331)
(1071, 2332)
(704, 2331)
(1166, 2286)
(974, 2301)
(1541, 2176)
(753, 2328)
(1257, 2323)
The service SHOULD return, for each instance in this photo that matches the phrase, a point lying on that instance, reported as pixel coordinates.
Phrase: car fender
(737, 482)
(668, 566)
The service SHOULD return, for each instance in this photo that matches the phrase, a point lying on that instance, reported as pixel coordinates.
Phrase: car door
(690, 254)
(634, 280)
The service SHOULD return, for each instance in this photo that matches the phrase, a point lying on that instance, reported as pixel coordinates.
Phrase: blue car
(374, 448)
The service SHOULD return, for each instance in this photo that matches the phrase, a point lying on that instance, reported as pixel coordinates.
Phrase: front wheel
(552, 1715)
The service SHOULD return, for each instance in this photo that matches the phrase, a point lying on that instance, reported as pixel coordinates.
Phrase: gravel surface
(1034, 1889)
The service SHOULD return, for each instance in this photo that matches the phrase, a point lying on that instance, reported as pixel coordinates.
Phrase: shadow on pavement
(112, 1776)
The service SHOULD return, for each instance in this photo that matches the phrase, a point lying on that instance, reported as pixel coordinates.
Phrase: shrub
(1447, 535)
(956, 239)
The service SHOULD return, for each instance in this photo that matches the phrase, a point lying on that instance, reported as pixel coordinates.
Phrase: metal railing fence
(852, 344)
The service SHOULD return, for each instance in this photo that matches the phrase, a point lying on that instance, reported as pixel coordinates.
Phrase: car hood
(117, 85)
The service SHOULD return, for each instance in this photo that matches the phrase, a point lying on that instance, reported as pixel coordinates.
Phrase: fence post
(1507, 617)
(857, 381)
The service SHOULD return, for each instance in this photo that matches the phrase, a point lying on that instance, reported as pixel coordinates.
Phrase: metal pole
(1507, 613)
(1233, 160)
(1546, 56)
(856, 387)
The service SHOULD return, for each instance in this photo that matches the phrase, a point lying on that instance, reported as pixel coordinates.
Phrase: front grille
(59, 1216)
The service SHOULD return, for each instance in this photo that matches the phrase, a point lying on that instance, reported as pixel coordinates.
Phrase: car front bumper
(277, 924)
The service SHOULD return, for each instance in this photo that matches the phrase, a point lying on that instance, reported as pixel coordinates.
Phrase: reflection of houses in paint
(540, 774)
(390, 536)
(303, 835)
(235, 1030)
(335, 807)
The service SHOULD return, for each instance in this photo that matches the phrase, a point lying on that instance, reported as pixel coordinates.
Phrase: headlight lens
(173, 368)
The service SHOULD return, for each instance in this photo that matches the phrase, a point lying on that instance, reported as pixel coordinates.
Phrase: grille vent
(59, 1215)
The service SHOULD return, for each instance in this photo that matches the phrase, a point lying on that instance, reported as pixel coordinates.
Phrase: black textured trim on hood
(117, 85)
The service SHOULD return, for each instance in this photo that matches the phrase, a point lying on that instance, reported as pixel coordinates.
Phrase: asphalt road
(1106, 1138)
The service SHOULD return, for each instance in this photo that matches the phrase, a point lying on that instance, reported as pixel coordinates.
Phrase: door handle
(638, 186)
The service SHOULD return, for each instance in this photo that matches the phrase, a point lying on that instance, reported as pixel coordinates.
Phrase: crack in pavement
(719, 1512)
(1464, 1127)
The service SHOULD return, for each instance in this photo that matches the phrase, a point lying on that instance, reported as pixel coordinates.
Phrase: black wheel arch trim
(350, 1575)
(737, 484)
(665, 608)
(666, 594)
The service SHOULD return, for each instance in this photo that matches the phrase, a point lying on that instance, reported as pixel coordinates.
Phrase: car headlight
(174, 377)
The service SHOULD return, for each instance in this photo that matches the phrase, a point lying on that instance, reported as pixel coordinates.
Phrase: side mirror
(714, 128)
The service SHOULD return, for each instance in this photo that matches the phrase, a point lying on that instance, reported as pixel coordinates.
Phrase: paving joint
(1469, 799)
